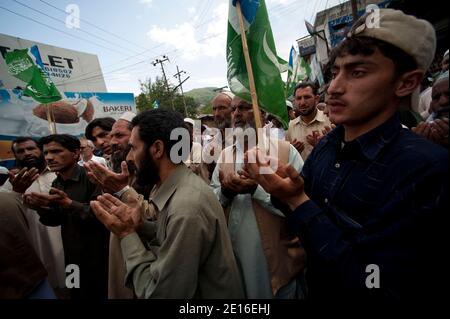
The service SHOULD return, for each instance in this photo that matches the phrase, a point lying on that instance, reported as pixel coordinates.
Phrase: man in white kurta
(242, 223)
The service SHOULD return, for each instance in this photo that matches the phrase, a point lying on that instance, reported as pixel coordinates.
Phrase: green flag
(26, 65)
(284, 65)
(263, 55)
(299, 70)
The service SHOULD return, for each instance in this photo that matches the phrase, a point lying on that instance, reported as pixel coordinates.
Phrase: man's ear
(408, 82)
(157, 149)
(317, 99)
(76, 154)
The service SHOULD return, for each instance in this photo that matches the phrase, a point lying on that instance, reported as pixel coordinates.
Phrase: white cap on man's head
(228, 93)
(127, 116)
(189, 120)
(289, 104)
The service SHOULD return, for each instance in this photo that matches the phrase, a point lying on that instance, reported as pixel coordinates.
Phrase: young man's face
(101, 139)
(362, 90)
(59, 158)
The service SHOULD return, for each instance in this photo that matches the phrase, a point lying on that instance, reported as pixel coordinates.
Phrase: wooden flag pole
(251, 79)
(50, 119)
(53, 120)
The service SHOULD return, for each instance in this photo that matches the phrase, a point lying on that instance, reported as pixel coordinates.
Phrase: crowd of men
(350, 204)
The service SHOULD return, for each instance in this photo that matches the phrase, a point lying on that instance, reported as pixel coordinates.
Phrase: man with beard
(34, 176)
(269, 259)
(436, 127)
(85, 240)
(309, 118)
(120, 136)
(221, 105)
(186, 252)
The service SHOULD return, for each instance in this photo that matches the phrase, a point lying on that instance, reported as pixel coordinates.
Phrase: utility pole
(178, 75)
(158, 61)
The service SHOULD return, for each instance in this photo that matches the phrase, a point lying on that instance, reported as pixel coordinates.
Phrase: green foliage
(156, 91)
(203, 96)
(207, 109)
(143, 102)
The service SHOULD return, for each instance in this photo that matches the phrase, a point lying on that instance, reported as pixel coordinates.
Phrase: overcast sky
(191, 32)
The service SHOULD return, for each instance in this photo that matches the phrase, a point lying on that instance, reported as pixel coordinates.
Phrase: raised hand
(286, 183)
(300, 146)
(23, 180)
(109, 181)
(313, 138)
(120, 218)
(233, 184)
(37, 200)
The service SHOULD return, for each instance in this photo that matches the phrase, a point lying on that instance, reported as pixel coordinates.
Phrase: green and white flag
(26, 65)
(284, 65)
(263, 55)
(299, 70)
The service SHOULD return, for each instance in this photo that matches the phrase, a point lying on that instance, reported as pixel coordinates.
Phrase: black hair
(104, 123)
(65, 140)
(304, 85)
(366, 46)
(22, 139)
(157, 125)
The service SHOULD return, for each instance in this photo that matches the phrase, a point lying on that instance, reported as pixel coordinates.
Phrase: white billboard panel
(71, 71)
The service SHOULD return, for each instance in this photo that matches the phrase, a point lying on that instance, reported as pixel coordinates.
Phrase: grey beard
(223, 124)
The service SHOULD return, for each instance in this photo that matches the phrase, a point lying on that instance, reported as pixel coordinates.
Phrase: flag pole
(53, 120)
(49, 119)
(251, 79)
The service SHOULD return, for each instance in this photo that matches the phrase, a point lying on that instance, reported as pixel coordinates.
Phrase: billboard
(22, 116)
(71, 71)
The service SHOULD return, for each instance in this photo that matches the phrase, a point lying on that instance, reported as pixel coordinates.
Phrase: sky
(127, 35)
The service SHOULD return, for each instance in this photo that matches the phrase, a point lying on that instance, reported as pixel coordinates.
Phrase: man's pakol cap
(415, 36)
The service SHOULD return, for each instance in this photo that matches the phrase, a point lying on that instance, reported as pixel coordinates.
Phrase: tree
(156, 91)
(143, 102)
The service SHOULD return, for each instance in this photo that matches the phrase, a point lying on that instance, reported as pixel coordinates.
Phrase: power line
(154, 47)
(205, 10)
(80, 30)
(95, 26)
(50, 27)
(84, 78)
(99, 75)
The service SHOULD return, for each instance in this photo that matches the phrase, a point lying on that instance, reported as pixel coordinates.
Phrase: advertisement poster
(71, 71)
(22, 116)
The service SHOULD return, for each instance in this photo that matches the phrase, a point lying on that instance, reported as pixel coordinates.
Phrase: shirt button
(337, 165)
(326, 200)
